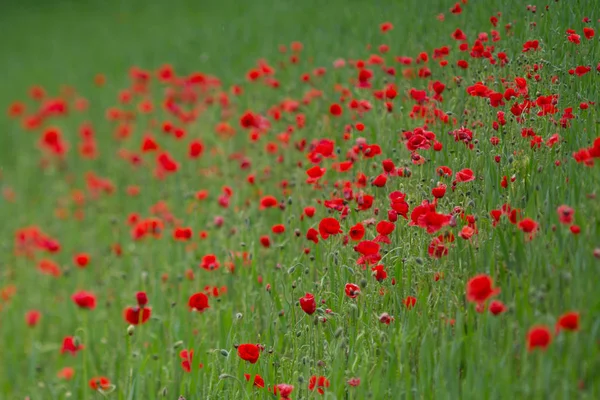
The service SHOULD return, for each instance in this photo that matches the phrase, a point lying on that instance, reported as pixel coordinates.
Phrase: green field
(229, 158)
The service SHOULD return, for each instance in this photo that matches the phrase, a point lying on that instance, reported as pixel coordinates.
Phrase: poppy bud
(130, 330)
(142, 298)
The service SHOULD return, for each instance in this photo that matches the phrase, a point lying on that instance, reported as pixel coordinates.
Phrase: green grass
(419, 355)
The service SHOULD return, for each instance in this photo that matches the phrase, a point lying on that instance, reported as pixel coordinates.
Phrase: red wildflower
(308, 304)
(565, 214)
(497, 307)
(187, 357)
(249, 352)
(99, 383)
(353, 382)
(66, 373)
(84, 300)
(329, 226)
(465, 175)
(357, 232)
(335, 110)
(268, 202)
(386, 27)
(209, 262)
(198, 302)
(568, 321)
(538, 336)
(352, 290)
(32, 317)
(69, 345)
(136, 315)
(319, 383)
(480, 288)
(258, 380)
(379, 273)
(528, 225)
(409, 302)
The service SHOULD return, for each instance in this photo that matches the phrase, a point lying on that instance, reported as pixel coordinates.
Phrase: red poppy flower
(565, 214)
(136, 315)
(196, 148)
(209, 262)
(278, 229)
(497, 307)
(69, 345)
(433, 221)
(187, 357)
(81, 260)
(308, 304)
(357, 232)
(99, 382)
(352, 290)
(386, 27)
(84, 300)
(198, 302)
(527, 225)
(538, 337)
(319, 383)
(66, 373)
(258, 380)
(335, 110)
(312, 235)
(480, 288)
(409, 302)
(437, 248)
(249, 352)
(329, 226)
(380, 180)
(385, 318)
(465, 175)
(439, 191)
(353, 382)
(268, 202)
(568, 322)
(379, 272)
(32, 317)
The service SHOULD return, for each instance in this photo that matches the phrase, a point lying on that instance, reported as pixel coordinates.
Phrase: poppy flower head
(568, 322)
(99, 383)
(538, 337)
(465, 175)
(198, 302)
(66, 373)
(32, 317)
(329, 226)
(308, 304)
(565, 214)
(480, 288)
(352, 290)
(357, 232)
(81, 260)
(71, 345)
(249, 352)
(319, 383)
(409, 302)
(84, 299)
(258, 380)
(136, 315)
(497, 307)
(209, 262)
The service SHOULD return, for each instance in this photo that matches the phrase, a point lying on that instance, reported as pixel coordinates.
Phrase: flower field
(300, 200)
